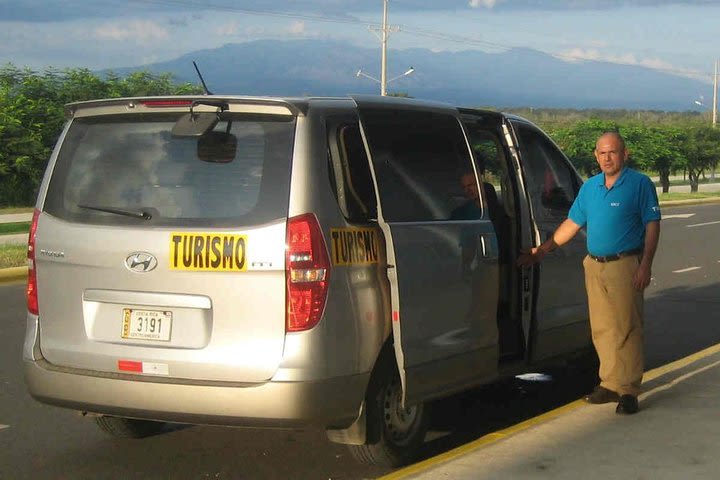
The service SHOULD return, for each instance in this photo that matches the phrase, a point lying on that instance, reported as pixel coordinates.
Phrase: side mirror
(217, 147)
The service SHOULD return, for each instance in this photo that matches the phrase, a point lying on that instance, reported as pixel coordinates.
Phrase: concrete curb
(691, 201)
(13, 274)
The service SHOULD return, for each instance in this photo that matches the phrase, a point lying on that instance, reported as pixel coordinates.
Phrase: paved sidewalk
(14, 239)
(703, 187)
(675, 435)
(16, 217)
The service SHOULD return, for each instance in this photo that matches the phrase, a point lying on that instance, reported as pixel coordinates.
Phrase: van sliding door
(561, 316)
(441, 247)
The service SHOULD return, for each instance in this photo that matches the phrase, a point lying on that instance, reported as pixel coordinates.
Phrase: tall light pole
(383, 60)
(715, 93)
(385, 32)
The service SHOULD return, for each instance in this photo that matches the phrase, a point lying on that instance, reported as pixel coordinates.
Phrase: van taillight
(307, 270)
(31, 291)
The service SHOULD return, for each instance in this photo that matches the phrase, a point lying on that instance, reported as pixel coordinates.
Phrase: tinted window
(551, 182)
(131, 162)
(352, 178)
(490, 163)
(419, 160)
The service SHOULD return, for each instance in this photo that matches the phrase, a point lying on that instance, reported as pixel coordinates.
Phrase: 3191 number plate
(146, 324)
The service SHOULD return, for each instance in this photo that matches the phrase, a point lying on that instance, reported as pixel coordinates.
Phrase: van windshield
(129, 169)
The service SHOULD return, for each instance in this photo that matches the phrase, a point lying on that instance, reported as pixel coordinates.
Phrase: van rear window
(129, 169)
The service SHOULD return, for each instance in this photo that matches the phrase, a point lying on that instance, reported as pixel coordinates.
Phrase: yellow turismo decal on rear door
(353, 246)
(219, 252)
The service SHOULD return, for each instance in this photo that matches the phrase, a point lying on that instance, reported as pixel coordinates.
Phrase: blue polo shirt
(615, 219)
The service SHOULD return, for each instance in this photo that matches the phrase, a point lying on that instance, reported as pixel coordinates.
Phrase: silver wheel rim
(399, 421)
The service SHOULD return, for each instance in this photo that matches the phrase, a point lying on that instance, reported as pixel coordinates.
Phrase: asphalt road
(43, 442)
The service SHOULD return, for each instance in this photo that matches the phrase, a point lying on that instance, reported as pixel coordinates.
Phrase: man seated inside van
(471, 210)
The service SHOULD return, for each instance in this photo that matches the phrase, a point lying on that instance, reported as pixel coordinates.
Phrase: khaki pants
(616, 321)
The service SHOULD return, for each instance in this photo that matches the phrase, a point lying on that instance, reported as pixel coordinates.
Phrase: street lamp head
(409, 71)
(360, 73)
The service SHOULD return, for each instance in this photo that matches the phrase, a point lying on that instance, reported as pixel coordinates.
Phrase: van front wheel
(395, 433)
(128, 427)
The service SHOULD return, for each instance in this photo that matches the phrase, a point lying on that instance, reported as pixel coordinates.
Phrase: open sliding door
(441, 247)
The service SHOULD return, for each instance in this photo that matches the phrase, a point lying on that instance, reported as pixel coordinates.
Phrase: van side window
(490, 164)
(551, 182)
(351, 172)
(419, 159)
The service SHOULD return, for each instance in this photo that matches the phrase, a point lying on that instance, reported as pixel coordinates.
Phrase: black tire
(129, 427)
(395, 434)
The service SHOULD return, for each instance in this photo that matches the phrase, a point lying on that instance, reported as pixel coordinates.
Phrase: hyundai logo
(141, 262)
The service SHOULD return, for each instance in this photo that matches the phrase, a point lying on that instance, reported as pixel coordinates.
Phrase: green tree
(578, 142)
(701, 149)
(32, 115)
(654, 149)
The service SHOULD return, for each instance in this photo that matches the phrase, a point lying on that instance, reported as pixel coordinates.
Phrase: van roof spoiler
(296, 108)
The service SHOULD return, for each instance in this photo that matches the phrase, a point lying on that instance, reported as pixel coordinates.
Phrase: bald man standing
(619, 209)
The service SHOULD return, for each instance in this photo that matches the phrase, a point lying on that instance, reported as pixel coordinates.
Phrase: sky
(675, 36)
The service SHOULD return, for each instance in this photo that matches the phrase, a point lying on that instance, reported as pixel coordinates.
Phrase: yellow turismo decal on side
(353, 246)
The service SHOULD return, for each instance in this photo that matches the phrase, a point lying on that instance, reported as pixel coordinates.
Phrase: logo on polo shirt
(614, 204)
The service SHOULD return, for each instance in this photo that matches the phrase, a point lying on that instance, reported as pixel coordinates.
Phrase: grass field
(687, 196)
(13, 256)
(11, 228)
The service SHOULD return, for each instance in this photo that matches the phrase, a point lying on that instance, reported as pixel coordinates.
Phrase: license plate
(146, 324)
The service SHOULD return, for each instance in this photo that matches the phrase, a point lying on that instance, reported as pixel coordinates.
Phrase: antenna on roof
(207, 92)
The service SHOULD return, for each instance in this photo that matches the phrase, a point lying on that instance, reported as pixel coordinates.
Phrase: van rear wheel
(395, 433)
(128, 427)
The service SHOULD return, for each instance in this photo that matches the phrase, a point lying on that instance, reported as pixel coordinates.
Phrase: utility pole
(383, 60)
(385, 32)
(715, 93)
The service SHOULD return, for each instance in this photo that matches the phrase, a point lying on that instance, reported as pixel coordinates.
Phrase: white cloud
(139, 30)
(227, 29)
(297, 28)
(482, 3)
(580, 54)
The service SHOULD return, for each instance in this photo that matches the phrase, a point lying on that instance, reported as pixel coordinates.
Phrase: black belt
(617, 256)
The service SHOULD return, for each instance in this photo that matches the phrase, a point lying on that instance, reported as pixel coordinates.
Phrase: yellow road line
(493, 437)
(678, 364)
(483, 441)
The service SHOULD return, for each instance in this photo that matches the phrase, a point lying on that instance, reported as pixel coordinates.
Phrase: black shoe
(602, 395)
(627, 405)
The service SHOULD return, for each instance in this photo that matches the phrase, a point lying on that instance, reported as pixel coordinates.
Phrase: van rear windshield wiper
(119, 211)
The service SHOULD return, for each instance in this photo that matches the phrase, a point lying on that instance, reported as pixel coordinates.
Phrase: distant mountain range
(517, 78)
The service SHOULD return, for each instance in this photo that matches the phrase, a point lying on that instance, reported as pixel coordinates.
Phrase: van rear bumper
(333, 403)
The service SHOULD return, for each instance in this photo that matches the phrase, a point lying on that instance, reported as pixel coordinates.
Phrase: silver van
(284, 262)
